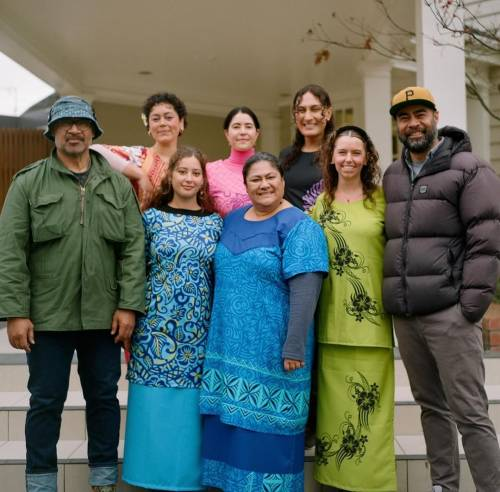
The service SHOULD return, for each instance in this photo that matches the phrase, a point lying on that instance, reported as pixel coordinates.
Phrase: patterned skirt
(355, 428)
(241, 460)
(163, 438)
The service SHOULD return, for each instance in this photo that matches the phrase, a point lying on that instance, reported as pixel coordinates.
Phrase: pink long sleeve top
(225, 181)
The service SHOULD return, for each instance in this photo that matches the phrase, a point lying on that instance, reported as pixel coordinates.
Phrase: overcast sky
(19, 89)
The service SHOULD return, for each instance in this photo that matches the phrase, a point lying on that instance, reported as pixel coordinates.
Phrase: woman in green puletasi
(354, 435)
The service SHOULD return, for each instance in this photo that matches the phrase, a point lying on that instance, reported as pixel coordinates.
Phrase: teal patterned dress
(255, 411)
(162, 442)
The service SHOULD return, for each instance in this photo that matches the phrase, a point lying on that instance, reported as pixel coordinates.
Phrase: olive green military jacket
(70, 255)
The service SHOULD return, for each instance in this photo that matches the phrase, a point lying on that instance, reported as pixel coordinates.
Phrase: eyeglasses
(315, 111)
(81, 123)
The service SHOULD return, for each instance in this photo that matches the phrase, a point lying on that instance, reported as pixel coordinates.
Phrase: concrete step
(14, 377)
(13, 407)
(412, 467)
(14, 371)
(407, 412)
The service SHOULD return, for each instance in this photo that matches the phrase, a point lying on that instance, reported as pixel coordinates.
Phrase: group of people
(246, 281)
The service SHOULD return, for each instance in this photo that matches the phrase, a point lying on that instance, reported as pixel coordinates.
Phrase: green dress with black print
(355, 428)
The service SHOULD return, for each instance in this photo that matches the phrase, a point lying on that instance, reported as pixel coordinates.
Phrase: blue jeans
(49, 369)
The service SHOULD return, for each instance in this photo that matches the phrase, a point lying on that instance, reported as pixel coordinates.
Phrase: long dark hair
(370, 173)
(298, 142)
(165, 193)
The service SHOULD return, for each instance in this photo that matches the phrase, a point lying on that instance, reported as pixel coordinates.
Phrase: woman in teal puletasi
(163, 433)
(354, 436)
(269, 266)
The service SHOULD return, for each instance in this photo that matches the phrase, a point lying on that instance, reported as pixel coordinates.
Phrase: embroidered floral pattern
(351, 441)
(346, 262)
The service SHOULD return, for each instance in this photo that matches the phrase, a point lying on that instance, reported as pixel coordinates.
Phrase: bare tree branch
(364, 39)
(401, 29)
(473, 90)
(457, 19)
(453, 17)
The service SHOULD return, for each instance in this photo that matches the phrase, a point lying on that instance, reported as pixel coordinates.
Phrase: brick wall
(491, 328)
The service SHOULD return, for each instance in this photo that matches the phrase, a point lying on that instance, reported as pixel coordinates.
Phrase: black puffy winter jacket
(443, 232)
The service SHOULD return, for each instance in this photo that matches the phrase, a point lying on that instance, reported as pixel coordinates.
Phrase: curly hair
(164, 98)
(298, 142)
(165, 192)
(370, 173)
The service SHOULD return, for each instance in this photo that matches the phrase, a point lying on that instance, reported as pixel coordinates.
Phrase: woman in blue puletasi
(163, 434)
(269, 266)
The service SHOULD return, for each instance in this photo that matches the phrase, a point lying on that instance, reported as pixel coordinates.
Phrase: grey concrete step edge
(408, 448)
(19, 357)
(19, 399)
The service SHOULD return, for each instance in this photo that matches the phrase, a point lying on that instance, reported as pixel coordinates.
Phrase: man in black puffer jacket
(440, 272)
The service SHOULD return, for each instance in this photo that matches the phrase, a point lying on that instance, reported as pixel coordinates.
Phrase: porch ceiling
(214, 54)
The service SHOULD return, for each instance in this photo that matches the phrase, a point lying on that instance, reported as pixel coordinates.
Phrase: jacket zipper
(405, 246)
(82, 204)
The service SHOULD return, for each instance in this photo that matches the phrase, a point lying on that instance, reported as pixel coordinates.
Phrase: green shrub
(497, 293)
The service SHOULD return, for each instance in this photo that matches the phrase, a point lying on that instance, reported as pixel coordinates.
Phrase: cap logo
(409, 93)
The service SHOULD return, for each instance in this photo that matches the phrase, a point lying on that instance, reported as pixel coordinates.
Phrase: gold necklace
(358, 195)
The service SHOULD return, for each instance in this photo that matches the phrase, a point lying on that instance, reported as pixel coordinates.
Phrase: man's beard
(423, 143)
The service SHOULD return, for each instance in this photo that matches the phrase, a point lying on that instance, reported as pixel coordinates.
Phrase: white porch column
(441, 68)
(376, 101)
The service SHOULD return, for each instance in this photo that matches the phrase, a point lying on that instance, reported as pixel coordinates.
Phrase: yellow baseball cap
(412, 95)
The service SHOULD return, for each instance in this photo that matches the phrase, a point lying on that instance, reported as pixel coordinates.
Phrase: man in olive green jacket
(71, 278)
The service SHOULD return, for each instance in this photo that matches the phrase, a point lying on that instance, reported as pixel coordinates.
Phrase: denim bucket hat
(71, 107)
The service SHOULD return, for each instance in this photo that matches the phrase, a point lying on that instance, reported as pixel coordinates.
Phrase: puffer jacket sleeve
(14, 247)
(480, 213)
(131, 259)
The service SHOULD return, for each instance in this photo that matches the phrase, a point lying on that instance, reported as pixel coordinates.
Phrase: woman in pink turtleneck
(225, 178)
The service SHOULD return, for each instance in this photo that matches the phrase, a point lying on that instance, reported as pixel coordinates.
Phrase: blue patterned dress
(163, 433)
(255, 411)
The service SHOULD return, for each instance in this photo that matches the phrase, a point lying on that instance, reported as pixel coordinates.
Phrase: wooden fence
(19, 147)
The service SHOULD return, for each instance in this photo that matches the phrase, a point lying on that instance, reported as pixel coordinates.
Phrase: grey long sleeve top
(304, 293)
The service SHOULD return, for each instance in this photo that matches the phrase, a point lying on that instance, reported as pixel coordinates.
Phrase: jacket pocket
(111, 217)
(47, 218)
(455, 260)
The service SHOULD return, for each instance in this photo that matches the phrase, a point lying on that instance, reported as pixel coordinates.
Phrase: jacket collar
(99, 165)
(454, 141)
